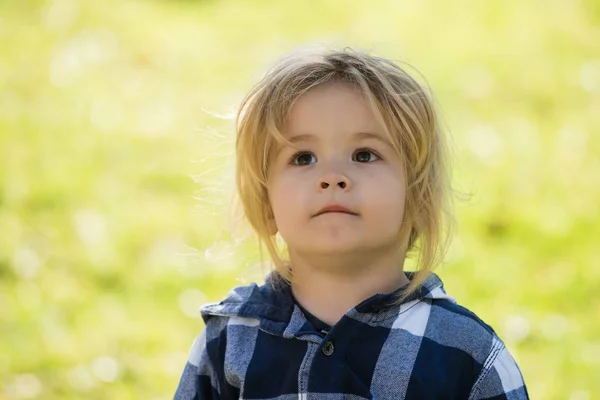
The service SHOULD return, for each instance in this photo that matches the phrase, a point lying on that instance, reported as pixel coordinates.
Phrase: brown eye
(365, 156)
(303, 158)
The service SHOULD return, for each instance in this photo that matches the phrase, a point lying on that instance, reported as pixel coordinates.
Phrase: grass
(114, 176)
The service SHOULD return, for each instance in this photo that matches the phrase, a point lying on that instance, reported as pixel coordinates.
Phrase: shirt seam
(487, 367)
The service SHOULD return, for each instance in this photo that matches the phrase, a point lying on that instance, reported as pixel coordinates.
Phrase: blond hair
(407, 114)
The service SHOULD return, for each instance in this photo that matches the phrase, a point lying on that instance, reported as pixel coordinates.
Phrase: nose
(334, 178)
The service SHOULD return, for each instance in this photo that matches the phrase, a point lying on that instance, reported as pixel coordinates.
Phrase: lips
(334, 208)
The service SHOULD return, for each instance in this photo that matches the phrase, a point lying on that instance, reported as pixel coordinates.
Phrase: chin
(335, 246)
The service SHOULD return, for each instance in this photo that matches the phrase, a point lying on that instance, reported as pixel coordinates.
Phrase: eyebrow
(307, 137)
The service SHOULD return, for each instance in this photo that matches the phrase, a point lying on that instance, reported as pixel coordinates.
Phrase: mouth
(335, 209)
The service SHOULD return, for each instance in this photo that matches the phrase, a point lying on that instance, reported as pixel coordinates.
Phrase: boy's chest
(382, 365)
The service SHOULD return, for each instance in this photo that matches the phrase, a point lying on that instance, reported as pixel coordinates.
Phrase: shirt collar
(272, 303)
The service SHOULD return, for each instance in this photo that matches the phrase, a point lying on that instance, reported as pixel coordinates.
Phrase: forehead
(331, 107)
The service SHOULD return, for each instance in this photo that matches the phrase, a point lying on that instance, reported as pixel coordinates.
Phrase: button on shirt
(328, 348)
(259, 344)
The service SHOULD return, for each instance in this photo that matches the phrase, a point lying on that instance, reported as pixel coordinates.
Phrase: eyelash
(302, 152)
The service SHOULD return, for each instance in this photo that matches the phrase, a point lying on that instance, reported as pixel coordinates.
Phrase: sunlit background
(115, 175)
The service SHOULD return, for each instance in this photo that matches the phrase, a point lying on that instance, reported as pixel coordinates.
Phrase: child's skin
(338, 259)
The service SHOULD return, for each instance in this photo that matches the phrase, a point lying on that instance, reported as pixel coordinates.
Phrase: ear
(272, 226)
(271, 223)
(420, 221)
(268, 211)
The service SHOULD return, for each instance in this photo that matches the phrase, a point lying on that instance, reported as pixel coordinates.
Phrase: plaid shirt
(257, 344)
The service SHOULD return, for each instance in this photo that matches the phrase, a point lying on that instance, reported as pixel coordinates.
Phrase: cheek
(286, 197)
(387, 200)
(386, 188)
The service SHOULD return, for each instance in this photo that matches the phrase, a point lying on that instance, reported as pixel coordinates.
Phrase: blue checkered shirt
(257, 344)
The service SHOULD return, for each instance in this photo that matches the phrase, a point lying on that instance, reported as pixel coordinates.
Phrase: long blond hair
(404, 108)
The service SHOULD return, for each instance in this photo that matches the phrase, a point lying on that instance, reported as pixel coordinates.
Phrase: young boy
(342, 155)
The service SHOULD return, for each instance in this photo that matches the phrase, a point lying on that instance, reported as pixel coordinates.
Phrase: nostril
(324, 185)
(342, 185)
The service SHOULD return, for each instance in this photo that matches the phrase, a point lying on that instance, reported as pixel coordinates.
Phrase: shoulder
(456, 338)
(269, 304)
(440, 319)
(449, 312)
(448, 333)
(455, 326)
(498, 375)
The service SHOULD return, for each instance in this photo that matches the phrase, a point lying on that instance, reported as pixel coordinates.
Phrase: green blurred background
(116, 169)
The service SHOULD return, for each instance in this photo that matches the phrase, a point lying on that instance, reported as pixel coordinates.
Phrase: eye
(365, 156)
(303, 158)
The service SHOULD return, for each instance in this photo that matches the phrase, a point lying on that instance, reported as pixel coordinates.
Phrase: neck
(328, 289)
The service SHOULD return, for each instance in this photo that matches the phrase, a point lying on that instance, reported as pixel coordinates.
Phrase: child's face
(336, 166)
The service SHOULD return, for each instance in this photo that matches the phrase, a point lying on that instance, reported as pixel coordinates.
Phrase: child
(342, 154)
